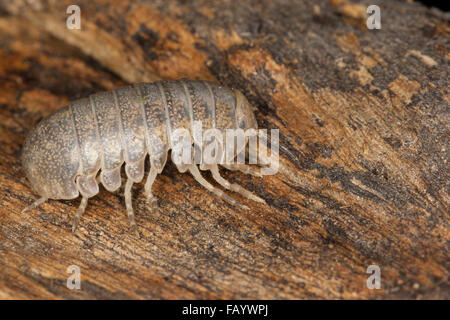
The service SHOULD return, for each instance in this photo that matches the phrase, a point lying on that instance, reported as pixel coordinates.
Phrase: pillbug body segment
(86, 143)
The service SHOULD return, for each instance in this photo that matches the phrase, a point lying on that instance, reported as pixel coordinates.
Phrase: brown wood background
(364, 179)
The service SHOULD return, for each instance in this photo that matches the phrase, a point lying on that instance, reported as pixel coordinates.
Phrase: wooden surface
(364, 178)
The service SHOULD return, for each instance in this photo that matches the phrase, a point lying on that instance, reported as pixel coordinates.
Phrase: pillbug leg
(129, 206)
(35, 204)
(148, 187)
(233, 186)
(197, 176)
(243, 168)
(79, 213)
(87, 187)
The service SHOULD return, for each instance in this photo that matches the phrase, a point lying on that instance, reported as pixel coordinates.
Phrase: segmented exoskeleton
(64, 153)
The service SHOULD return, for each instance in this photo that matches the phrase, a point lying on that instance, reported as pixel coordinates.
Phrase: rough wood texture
(364, 179)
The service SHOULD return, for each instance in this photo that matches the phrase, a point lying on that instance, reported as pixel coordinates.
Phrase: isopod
(71, 151)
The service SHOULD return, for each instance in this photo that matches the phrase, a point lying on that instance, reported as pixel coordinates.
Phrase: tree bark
(364, 128)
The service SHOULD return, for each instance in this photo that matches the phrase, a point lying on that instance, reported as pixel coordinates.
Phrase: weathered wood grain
(364, 123)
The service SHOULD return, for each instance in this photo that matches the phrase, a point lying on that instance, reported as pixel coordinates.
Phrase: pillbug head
(50, 157)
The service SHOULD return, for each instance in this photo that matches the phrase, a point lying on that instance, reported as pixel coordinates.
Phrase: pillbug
(86, 143)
